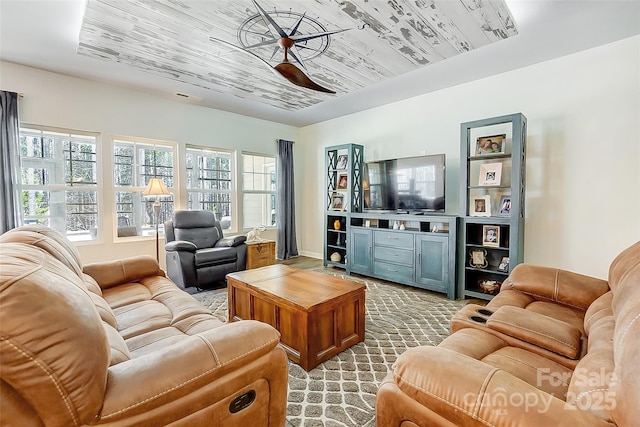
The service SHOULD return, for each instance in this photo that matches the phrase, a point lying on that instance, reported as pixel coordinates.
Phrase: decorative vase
(336, 224)
(335, 257)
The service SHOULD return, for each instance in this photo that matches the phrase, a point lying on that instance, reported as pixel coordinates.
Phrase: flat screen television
(410, 184)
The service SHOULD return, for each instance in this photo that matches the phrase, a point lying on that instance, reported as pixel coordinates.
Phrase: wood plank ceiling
(171, 38)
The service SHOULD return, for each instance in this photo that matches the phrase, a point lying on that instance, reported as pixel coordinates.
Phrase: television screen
(407, 184)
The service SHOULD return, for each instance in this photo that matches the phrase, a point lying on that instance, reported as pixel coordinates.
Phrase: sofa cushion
(546, 332)
(215, 256)
(567, 288)
(57, 360)
(54, 243)
(599, 309)
(520, 363)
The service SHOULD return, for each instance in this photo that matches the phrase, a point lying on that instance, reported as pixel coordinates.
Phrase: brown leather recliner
(553, 348)
(118, 344)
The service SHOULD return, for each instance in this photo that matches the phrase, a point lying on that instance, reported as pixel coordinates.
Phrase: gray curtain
(285, 202)
(10, 204)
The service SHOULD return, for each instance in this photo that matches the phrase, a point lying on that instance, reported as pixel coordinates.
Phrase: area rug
(342, 391)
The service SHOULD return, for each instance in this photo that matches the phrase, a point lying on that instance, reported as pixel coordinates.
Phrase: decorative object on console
(342, 181)
(478, 258)
(480, 206)
(490, 174)
(337, 202)
(156, 188)
(254, 235)
(336, 224)
(504, 264)
(490, 235)
(490, 144)
(489, 286)
(335, 257)
(505, 205)
(343, 160)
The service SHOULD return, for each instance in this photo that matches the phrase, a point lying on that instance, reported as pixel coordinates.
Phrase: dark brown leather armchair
(197, 252)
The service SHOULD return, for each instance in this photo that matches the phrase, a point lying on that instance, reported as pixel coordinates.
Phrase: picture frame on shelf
(490, 175)
(478, 258)
(337, 202)
(505, 206)
(342, 181)
(491, 235)
(493, 144)
(480, 206)
(343, 160)
(504, 264)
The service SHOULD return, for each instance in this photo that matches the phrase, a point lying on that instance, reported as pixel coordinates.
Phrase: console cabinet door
(361, 242)
(432, 262)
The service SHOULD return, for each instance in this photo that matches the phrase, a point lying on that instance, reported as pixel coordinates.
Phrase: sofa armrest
(180, 372)
(180, 245)
(112, 273)
(466, 391)
(231, 241)
(556, 285)
(537, 329)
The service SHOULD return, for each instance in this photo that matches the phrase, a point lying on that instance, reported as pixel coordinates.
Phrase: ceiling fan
(287, 42)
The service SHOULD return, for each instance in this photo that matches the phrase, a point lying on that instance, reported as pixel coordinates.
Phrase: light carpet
(342, 391)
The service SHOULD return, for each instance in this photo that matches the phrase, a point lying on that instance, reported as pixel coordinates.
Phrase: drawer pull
(392, 270)
(392, 237)
(392, 254)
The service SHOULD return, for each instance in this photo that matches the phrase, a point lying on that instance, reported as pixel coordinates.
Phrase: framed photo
(478, 258)
(342, 181)
(491, 235)
(505, 206)
(490, 174)
(493, 144)
(343, 159)
(337, 202)
(504, 264)
(480, 206)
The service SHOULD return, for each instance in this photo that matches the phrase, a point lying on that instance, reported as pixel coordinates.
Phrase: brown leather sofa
(553, 348)
(118, 344)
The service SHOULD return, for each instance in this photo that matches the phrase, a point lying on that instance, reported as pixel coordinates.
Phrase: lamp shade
(155, 187)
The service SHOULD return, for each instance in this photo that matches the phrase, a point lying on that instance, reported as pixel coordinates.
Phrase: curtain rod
(281, 138)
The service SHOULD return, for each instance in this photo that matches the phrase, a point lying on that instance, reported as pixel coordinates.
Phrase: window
(258, 190)
(134, 164)
(60, 181)
(210, 183)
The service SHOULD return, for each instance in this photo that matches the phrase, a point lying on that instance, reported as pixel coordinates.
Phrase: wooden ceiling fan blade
(297, 77)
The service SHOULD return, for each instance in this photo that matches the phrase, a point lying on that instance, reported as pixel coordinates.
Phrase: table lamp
(156, 188)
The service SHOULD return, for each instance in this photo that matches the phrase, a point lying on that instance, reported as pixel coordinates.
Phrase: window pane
(210, 172)
(123, 164)
(63, 160)
(82, 214)
(218, 203)
(258, 210)
(259, 178)
(135, 215)
(135, 163)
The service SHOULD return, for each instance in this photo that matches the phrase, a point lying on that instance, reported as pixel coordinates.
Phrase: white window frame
(53, 220)
(197, 188)
(146, 228)
(273, 192)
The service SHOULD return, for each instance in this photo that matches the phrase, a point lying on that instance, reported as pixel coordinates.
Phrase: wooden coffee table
(317, 315)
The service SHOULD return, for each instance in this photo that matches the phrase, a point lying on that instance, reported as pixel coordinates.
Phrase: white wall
(583, 179)
(60, 101)
(583, 153)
